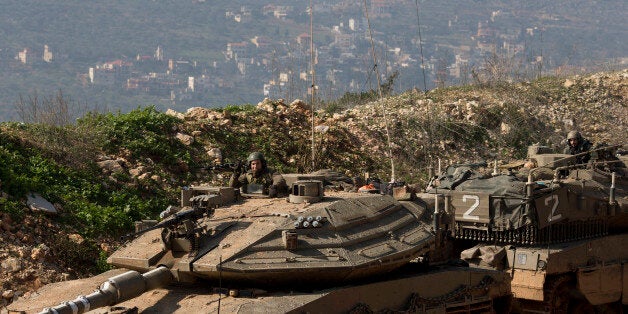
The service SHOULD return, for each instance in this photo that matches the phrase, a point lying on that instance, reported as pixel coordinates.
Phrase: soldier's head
(573, 138)
(256, 161)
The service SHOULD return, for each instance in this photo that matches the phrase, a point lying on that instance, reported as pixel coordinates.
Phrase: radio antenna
(379, 91)
(313, 87)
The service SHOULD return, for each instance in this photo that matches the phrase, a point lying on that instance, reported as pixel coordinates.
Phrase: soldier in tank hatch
(258, 178)
(576, 144)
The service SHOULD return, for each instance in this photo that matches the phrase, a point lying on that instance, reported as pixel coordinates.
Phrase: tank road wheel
(563, 296)
(582, 306)
(558, 294)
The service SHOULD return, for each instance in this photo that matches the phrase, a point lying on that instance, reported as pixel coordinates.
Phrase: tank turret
(556, 202)
(219, 237)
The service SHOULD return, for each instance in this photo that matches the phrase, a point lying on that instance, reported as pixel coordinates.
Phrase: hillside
(107, 170)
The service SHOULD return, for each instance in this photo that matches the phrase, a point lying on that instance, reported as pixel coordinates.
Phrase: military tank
(340, 251)
(560, 228)
(551, 201)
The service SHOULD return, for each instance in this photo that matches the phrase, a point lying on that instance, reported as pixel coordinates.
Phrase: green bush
(145, 132)
(91, 207)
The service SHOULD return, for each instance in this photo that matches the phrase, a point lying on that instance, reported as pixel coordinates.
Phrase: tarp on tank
(508, 206)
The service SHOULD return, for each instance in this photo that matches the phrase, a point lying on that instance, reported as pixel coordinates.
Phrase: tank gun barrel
(115, 290)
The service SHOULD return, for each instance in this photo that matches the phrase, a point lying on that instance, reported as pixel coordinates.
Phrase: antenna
(219, 282)
(379, 90)
(313, 78)
(418, 21)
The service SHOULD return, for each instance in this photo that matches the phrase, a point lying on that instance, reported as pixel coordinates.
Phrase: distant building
(181, 66)
(237, 50)
(343, 41)
(244, 15)
(159, 54)
(303, 39)
(381, 8)
(199, 84)
(157, 84)
(47, 57)
(102, 76)
(262, 42)
(191, 83)
(278, 11)
(26, 56)
(110, 73)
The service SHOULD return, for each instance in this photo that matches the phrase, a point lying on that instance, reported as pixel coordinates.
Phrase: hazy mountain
(529, 38)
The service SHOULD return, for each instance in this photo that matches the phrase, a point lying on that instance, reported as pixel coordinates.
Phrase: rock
(11, 264)
(226, 123)
(135, 172)
(214, 153)
(27, 238)
(106, 247)
(266, 105)
(76, 238)
(505, 128)
(37, 203)
(569, 123)
(299, 105)
(185, 139)
(196, 113)
(37, 283)
(8, 294)
(321, 128)
(110, 166)
(23, 252)
(569, 83)
(176, 114)
(39, 252)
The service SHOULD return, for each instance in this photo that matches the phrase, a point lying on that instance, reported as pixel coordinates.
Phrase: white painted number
(551, 216)
(467, 214)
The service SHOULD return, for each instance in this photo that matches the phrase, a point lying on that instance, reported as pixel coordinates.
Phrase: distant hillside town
(344, 55)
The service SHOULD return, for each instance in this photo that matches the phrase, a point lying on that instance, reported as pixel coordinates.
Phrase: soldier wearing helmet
(258, 179)
(577, 145)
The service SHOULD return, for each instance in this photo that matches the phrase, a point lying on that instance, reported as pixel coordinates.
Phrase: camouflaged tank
(545, 199)
(313, 251)
(559, 228)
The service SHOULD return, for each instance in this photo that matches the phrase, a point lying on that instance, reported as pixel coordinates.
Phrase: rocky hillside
(108, 170)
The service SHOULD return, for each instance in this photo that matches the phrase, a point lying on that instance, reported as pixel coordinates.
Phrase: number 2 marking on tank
(467, 214)
(551, 216)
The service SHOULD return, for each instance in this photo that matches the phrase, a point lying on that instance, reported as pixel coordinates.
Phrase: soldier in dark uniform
(259, 178)
(576, 145)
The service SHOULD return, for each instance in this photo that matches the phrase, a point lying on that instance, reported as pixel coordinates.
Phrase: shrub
(146, 133)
